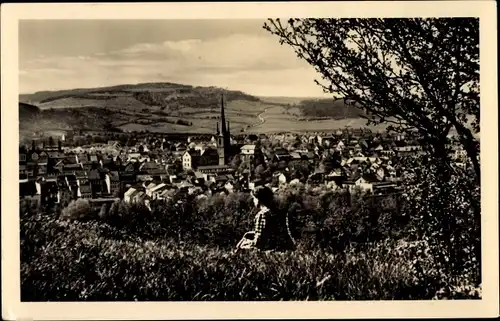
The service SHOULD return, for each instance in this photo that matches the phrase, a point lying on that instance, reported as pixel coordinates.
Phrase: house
(209, 157)
(295, 158)
(93, 158)
(109, 163)
(22, 155)
(380, 173)
(41, 169)
(248, 152)
(114, 144)
(199, 178)
(326, 140)
(134, 157)
(131, 167)
(73, 184)
(23, 171)
(166, 194)
(43, 158)
(281, 155)
(309, 157)
(48, 192)
(82, 157)
(71, 168)
(149, 187)
(340, 146)
(139, 197)
(190, 159)
(85, 191)
(113, 179)
(184, 185)
(156, 191)
(214, 169)
(317, 176)
(363, 144)
(144, 178)
(153, 169)
(407, 150)
(97, 180)
(370, 182)
(127, 197)
(335, 174)
(63, 191)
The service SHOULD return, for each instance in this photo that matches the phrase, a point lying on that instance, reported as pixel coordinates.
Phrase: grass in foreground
(68, 261)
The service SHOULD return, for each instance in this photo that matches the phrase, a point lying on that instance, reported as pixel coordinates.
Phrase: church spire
(223, 140)
(222, 117)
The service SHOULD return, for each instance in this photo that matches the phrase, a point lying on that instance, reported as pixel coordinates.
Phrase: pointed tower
(223, 138)
(222, 116)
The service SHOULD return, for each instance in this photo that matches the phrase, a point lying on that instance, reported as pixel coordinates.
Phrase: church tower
(223, 136)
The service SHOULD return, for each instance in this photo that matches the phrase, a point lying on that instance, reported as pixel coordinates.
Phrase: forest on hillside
(329, 108)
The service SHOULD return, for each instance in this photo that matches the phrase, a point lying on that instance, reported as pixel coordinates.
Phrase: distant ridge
(162, 89)
(170, 108)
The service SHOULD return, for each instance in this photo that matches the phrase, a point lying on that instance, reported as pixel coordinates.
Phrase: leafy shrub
(447, 214)
(78, 209)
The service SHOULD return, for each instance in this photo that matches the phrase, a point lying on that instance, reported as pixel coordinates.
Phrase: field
(276, 119)
(124, 102)
(153, 107)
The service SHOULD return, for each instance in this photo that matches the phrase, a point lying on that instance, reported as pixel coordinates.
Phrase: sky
(233, 54)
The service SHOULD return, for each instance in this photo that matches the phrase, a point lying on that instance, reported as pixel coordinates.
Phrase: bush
(78, 209)
(447, 214)
(333, 220)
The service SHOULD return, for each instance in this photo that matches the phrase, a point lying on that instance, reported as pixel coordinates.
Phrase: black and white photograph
(299, 158)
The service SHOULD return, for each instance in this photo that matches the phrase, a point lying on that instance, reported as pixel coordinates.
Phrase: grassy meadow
(348, 248)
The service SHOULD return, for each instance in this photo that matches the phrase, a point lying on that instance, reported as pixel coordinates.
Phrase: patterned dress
(271, 232)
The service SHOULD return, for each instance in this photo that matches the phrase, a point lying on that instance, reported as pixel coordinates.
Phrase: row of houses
(144, 172)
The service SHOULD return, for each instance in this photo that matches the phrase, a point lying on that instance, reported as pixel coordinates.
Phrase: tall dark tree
(418, 74)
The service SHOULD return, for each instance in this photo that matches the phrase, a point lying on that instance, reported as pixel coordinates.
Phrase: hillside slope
(27, 111)
(168, 107)
(164, 96)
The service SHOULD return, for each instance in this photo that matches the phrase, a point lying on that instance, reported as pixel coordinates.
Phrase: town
(141, 167)
(293, 159)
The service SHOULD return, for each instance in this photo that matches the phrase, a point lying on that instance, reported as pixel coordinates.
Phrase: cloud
(250, 63)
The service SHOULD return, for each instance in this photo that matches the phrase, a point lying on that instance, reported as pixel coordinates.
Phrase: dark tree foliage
(418, 74)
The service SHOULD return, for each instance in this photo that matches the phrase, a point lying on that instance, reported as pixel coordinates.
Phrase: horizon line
(167, 82)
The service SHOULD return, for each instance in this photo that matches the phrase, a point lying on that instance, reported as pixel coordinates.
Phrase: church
(207, 163)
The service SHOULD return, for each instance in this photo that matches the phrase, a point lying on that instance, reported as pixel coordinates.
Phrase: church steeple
(222, 116)
(223, 140)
